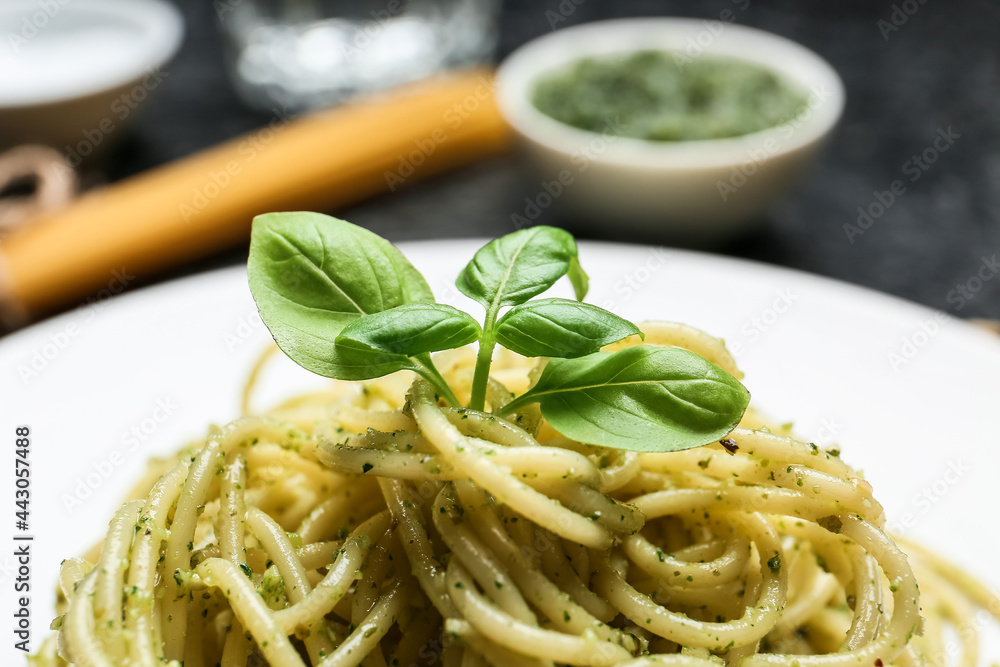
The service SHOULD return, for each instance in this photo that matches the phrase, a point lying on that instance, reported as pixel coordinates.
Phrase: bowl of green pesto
(657, 96)
(691, 129)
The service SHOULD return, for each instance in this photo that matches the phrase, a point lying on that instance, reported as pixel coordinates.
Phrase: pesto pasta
(373, 524)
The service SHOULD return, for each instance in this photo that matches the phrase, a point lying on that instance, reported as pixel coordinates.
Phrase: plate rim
(823, 282)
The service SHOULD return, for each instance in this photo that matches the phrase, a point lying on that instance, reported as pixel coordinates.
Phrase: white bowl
(74, 72)
(694, 191)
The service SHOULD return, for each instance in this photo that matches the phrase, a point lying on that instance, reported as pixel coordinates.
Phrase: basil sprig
(344, 303)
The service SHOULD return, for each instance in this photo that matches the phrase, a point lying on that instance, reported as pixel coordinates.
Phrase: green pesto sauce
(661, 96)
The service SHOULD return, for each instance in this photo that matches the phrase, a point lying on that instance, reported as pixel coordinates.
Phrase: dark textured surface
(940, 69)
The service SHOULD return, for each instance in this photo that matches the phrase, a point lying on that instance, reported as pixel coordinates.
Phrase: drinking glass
(296, 55)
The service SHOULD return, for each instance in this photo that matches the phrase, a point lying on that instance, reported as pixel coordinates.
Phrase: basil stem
(427, 370)
(487, 343)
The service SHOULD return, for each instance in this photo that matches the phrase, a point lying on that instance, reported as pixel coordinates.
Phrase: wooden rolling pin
(204, 203)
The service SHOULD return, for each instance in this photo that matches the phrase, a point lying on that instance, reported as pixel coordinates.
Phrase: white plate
(115, 382)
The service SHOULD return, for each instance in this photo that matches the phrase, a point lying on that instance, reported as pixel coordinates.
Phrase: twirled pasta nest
(369, 525)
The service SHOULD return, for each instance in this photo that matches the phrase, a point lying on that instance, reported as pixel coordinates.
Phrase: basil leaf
(409, 330)
(579, 278)
(644, 398)
(513, 268)
(312, 275)
(560, 328)
(363, 364)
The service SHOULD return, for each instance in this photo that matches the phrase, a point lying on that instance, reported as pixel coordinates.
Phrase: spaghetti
(370, 525)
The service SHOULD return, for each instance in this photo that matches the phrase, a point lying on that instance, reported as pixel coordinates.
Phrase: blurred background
(915, 73)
